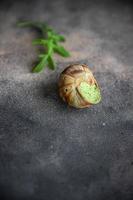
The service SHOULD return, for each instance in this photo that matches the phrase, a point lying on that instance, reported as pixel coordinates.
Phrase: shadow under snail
(78, 87)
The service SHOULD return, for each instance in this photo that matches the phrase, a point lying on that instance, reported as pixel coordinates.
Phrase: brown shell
(70, 79)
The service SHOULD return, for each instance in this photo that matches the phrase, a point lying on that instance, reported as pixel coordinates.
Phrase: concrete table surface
(49, 151)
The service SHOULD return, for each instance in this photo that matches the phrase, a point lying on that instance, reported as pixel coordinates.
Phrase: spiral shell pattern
(69, 82)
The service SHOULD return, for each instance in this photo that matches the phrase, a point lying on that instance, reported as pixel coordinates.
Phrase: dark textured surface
(49, 151)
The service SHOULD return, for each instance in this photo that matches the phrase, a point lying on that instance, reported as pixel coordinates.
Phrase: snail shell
(78, 87)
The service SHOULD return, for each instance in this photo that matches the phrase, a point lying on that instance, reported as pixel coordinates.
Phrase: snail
(78, 87)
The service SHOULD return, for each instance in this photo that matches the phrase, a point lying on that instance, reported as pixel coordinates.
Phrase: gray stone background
(49, 151)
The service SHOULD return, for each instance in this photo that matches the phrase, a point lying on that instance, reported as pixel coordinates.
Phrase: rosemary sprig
(50, 41)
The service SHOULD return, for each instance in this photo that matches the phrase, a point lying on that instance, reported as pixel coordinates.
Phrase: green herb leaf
(41, 64)
(38, 25)
(51, 63)
(62, 51)
(39, 42)
(61, 38)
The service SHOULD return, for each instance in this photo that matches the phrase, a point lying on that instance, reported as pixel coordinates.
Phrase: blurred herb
(50, 41)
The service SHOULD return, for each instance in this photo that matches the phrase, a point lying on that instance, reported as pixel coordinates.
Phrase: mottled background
(49, 151)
